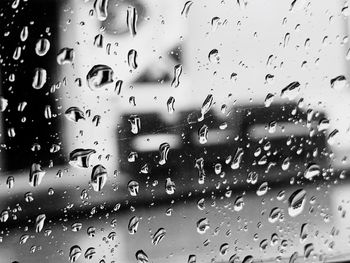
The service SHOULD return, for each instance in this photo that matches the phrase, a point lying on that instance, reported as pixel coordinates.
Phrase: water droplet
(36, 175)
(186, 8)
(23, 239)
(3, 104)
(275, 215)
(213, 55)
(74, 253)
(297, 5)
(293, 257)
(169, 186)
(163, 151)
(39, 222)
(10, 182)
(133, 188)
(158, 236)
(42, 46)
(74, 114)
(131, 20)
(98, 76)
(101, 7)
(286, 164)
(308, 249)
(291, 90)
(118, 86)
(331, 137)
(215, 23)
(202, 225)
(248, 259)
(76, 226)
(98, 41)
(98, 177)
(65, 56)
(237, 159)
(238, 204)
(90, 252)
(132, 55)
(141, 257)
(296, 202)
(28, 197)
(17, 53)
(170, 105)
(206, 106)
(339, 82)
(24, 34)
(272, 126)
(47, 112)
(177, 73)
(312, 170)
(135, 122)
(4, 216)
(201, 204)
(91, 231)
(286, 39)
(303, 232)
(263, 244)
(262, 190)
(80, 157)
(203, 134)
(39, 79)
(223, 249)
(323, 124)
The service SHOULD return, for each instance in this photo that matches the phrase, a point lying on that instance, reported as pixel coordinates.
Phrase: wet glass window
(174, 131)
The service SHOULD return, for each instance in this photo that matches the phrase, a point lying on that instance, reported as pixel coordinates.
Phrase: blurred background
(174, 131)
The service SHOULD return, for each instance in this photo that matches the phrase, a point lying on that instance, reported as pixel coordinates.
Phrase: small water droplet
(24, 33)
(291, 90)
(36, 175)
(203, 134)
(170, 105)
(223, 249)
(141, 257)
(206, 106)
(23, 239)
(312, 170)
(262, 190)
(177, 73)
(213, 56)
(238, 204)
(169, 186)
(308, 249)
(4, 216)
(275, 215)
(339, 82)
(135, 122)
(74, 114)
(237, 159)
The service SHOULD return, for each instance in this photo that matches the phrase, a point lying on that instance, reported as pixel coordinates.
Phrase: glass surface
(174, 131)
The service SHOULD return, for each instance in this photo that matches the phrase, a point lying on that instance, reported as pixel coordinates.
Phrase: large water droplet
(74, 114)
(74, 253)
(141, 256)
(36, 175)
(203, 134)
(169, 186)
(98, 76)
(177, 73)
(206, 106)
(296, 202)
(308, 249)
(275, 214)
(98, 177)
(131, 20)
(291, 90)
(339, 82)
(65, 56)
(158, 236)
(132, 56)
(24, 33)
(42, 47)
(262, 190)
(39, 222)
(4, 216)
(90, 252)
(293, 257)
(237, 159)
(202, 225)
(80, 157)
(312, 170)
(223, 249)
(303, 232)
(23, 239)
(238, 204)
(17, 53)
(39, 79)
(135, 122)
(133, 188)
(186, 8)
(133, 225)
(101, 8)
(170, 105)
(248, 259)
(213, 56)
(163, 151)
